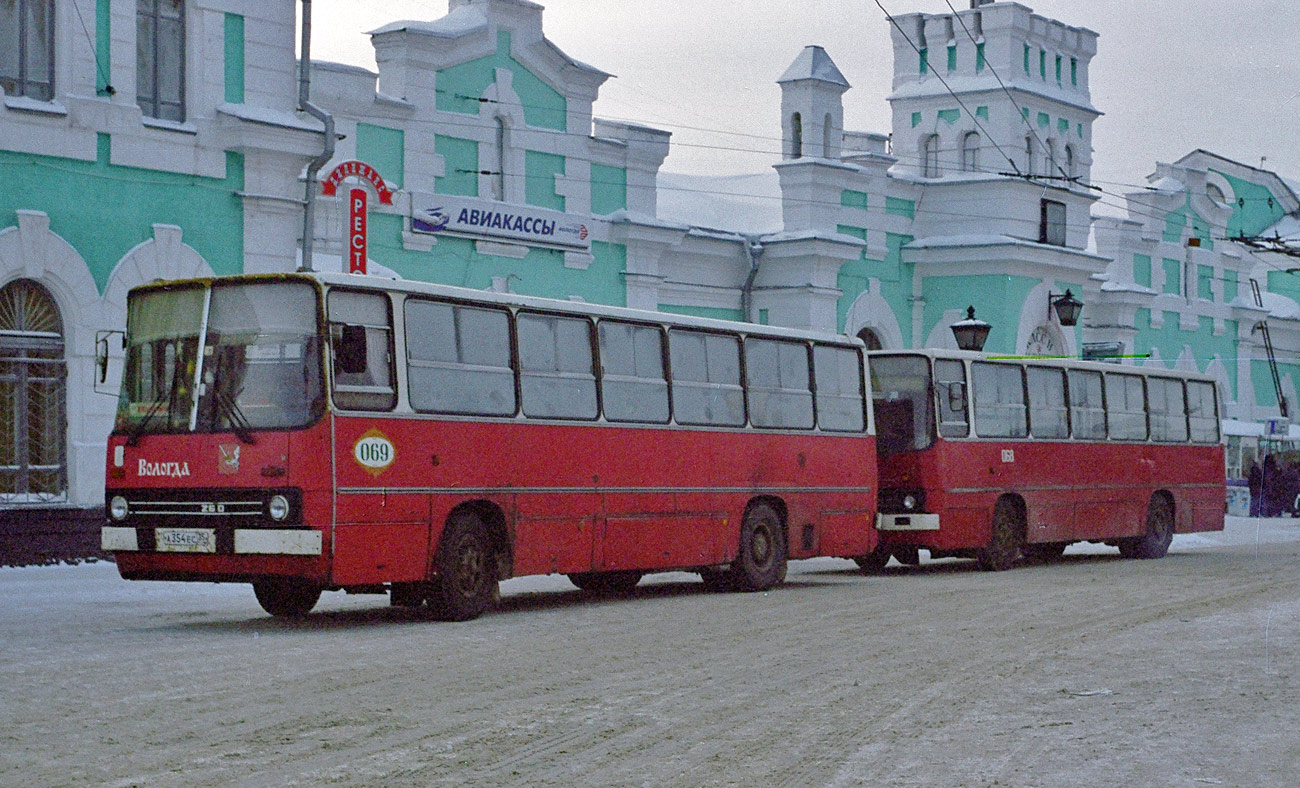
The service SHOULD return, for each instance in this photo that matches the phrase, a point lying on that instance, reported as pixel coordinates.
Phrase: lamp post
(971, 332)
(1067, 307)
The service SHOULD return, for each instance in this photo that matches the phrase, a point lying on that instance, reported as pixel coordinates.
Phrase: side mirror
(103, 359)
(351, 351)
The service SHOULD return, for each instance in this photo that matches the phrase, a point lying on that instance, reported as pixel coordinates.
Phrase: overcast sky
(1170, 75)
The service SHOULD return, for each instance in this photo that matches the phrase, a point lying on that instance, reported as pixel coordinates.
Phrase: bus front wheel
(760, 562)
(466, 580)
(1003, 549)
(1160, 532)
(286, 597)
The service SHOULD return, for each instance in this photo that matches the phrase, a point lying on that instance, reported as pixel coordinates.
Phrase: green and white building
(160, 139)
(138, 140)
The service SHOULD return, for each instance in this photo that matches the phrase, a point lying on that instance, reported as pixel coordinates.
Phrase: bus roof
(1047, 361)
(411, 287)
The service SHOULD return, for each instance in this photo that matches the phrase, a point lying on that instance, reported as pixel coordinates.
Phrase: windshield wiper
(133, 437)
(239, 423)
(168, 396)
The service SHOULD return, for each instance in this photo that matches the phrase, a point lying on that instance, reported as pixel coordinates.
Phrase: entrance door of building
(33, 396)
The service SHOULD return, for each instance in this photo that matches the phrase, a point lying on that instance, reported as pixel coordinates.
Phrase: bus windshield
(900, 388)
(259, 367)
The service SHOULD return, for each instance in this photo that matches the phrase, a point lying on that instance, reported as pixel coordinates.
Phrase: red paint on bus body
(573, 497)
(1072, 490)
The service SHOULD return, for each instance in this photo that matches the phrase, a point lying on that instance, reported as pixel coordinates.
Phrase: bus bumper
(247, 541)
(907, 522)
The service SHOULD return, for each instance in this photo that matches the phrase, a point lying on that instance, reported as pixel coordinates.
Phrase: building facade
(160, 139)
(138, 140)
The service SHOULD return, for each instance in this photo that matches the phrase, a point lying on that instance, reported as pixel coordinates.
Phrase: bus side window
(999, 400)
(1126, 407)
(1047, 413)
(556, 376)
(1087, 411)
(458, 359)
(633, 385)
(1202, 415)
(837, 376)
(361, 339)
(1168, 410)
(706, 378)
(777, 382)
(950, 388)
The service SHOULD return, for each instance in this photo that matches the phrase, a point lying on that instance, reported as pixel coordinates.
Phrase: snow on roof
(1167, 185)
(814, 63)
(1280, 306)
(459, 22)
(739, 203)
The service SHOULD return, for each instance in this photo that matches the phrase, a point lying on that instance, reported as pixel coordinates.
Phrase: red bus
(309, 432)
(1058, 451)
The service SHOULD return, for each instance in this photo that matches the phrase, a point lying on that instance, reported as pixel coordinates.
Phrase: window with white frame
(930, 156)
(27, 48)
(160, 59)
(1051, 223)
(970, 152)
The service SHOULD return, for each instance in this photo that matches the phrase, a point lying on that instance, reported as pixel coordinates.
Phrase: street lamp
(971, 332)
(1067, 307)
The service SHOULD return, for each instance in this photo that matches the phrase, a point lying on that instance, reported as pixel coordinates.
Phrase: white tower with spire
(812, 112)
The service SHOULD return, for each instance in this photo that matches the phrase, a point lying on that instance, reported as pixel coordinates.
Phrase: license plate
(186, 540)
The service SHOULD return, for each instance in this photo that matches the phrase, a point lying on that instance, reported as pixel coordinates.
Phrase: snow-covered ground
(1095, 671)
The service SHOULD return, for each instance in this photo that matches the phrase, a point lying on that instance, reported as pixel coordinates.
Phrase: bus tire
(1160, 532)
(907, 556)
(618, 583)
(1045, 551)
(718, 580)
(873, 563)
(465, 583)
(760, 561)
(1004, 547)
(286, 597)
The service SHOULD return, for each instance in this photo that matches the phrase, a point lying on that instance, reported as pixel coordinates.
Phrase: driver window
(361, 349)
(950, 390)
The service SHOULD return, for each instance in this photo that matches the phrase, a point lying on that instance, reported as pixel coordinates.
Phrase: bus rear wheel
(1004, 547)
(466, 580)
(874, 562)
(617, 583)
(286, 597)
(760, 562)
(1160, 532)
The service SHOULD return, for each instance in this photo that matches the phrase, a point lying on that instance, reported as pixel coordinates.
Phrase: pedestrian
(1270, 485)
(1255, 482)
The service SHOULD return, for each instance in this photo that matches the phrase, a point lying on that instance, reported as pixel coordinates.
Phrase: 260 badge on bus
(374, 452)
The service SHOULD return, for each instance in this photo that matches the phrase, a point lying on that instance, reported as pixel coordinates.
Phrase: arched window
(828, 136)
(970, 152)
(871, 338)
(1069, 161)
(930, 156)
(1029, 155)
(796, 136)
(33, 417)
(1051, 159)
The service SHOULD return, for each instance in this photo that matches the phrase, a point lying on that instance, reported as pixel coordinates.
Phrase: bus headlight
(278, 508)
(909, 502)
(117, 508)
